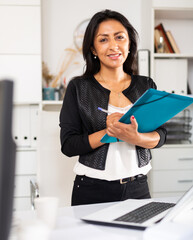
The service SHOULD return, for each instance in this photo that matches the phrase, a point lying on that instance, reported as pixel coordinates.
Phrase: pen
(104, 110)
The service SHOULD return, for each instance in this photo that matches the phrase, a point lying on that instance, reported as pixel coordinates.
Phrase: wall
(145, 24)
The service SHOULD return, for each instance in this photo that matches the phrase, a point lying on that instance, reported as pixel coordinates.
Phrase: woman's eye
(103, 40)
(120, 37)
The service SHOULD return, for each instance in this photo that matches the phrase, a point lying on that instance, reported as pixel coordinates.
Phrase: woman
(115, 171)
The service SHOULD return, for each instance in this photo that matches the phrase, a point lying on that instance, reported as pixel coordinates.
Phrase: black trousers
(90, 190)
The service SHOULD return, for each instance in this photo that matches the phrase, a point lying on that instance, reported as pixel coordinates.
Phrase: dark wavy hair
(93, 65)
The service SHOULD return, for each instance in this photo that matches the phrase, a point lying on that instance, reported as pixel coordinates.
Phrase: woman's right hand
(112, 118)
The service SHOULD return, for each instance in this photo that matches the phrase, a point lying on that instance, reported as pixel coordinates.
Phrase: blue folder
(153, 109)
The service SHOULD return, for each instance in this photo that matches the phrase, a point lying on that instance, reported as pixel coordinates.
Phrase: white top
(121, 162)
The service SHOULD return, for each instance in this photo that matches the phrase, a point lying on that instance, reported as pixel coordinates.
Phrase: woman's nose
(113, 45)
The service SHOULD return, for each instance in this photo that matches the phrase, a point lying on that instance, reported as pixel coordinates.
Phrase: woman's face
(111, 44)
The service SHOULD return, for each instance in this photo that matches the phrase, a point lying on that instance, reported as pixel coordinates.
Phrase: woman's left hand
(126, 132)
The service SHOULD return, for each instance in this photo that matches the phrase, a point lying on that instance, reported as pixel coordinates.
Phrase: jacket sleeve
(163, 133)
(161, 130)
(73, 140)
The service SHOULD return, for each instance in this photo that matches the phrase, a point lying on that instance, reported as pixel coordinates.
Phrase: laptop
(140, 214)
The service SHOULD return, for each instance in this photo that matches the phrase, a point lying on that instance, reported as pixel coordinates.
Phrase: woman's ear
(93, 51)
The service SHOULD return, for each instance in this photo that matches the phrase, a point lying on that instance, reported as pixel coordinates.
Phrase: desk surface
(73, 228)
(70, 227)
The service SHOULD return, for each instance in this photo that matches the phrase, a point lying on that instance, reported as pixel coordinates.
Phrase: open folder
(153, 109)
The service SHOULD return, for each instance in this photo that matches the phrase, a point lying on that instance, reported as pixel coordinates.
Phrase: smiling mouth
(114, 55)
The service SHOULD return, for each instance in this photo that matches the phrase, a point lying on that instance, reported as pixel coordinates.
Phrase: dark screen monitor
(7, 158)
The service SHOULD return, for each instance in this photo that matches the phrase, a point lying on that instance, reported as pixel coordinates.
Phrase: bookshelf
(173, 72)
(177, 18)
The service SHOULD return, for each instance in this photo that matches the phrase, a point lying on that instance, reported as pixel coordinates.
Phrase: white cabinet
(22, 186)
(25, 134)
(172, 171)
(34, 125)
(25, 71)
(20, 48)
(21, 33)
(22, 203)
(26, 169)
(176, 77)
(25, 125)
(172, 181)
(26, 162)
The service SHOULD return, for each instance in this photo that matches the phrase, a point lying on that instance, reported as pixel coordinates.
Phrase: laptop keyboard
(145, 212)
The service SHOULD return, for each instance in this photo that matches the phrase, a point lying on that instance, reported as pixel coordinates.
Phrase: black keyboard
(145, 212)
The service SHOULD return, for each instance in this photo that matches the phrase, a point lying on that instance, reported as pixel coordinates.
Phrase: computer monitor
(7, 158)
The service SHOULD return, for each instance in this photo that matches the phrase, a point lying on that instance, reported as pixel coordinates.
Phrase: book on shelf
(173, 42)
(168, 46)
(160, 45)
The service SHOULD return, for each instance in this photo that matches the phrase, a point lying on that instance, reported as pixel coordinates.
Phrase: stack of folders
(179, 128)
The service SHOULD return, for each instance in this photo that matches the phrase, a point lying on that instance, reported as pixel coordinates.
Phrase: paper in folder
(153, 109)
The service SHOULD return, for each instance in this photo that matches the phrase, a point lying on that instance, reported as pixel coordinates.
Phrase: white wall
(145, 24)
(61, 17)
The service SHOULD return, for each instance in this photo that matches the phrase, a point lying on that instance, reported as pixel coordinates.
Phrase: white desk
(70, 227)
(77, 229)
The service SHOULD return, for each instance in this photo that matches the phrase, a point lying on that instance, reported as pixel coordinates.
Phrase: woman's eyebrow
(119, 32)
(106, 35)
(102, 34)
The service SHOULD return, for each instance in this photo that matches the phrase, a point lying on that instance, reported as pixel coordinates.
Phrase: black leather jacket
(80, 117)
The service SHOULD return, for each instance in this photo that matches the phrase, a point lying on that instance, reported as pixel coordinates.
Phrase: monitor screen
(7, 158)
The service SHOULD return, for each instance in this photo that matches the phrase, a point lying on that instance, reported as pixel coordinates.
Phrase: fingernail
(133, 117)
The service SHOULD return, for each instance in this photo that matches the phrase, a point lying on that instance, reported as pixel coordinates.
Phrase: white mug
(46, 210)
